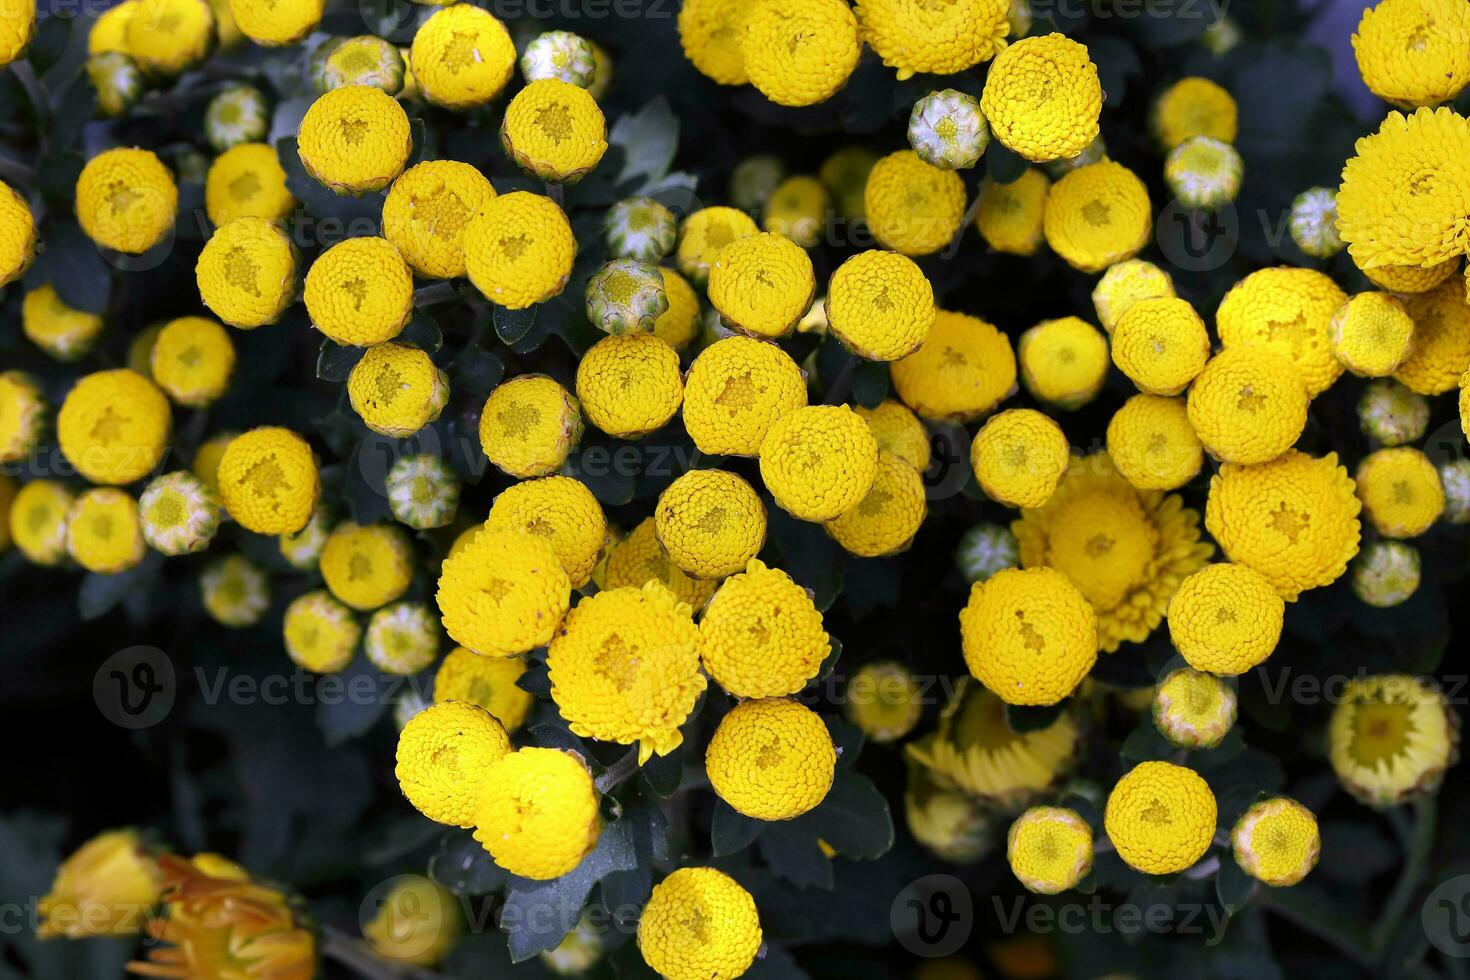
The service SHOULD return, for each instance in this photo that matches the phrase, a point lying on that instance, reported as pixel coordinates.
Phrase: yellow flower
(320, 633)
(1289, 311)
(427, 211)
(898, 431)
(629, 385)
(704, 234)
(942, 39)
(235, 591)
(528, 426)
(1049, 849)
(560, 510)
(1413, 52)
(711, 522)
(1372, 334)
(538, 814)
(554, 130)
(1010, 216)
(771, 759)
(273, 24)
(1097, 215)
(1401, 492)
(1161, 345)
(1294, 520)
(801, 52)
(912, 207)
(416, 923)
(1441, 340)
(1412, 278)
(247, 180)
(761, 284)
(1225, 619)
(17, 235)
(208, 456)
(1161, 818)
(64, 333)
(1193, 710)
(736, 390)
(17, 27)
(444, 756)
(503, 593)
(677, 325)
(107, 888)
(114, 426)
(845, 174)
(887, 518)
(1042, 98)
(22, 415)
(880, 305)
(1248, 405)
(1391, 737)
(192, 360)
(1064, 361)
(699, 924)
(1019, 456)
(397, 390)
(247, 273)
(489, 682)
(166, 36)
(1191, 107)
(710, 33)
(1030, 636)
(109, 33)
(360, 60)
(268, 480)
(360, 292)
(401, 638)
(819, 461)
(519, 250)
(1204, 173)
(355, 139)
(366, 567)
(1126, 283)
(126, 198)
(1276, 841)
(964, 368)
(797, 208)
(884, 700)
(761, 636)
(462, 57)
(102, 531)
(640, 558)
(38, 521)
(7, 499)
(1153, 444)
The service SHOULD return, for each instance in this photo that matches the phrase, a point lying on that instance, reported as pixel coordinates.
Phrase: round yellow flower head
(17, 27)
(166, 36)
(699, 924)
(100, 890)
(1276, 841)
(1225, 619)
(624, 667)
(1010, 216)
(402, 638)
(355, 139)
(1043, 98)
(64, 333)
(462, 57)
(247, 273)
(880, 305)
(1391, 737)
(1248, 405)
(1029, 635)
(761, 636)
(1294, 520)
(798, 209)
(899, 431)
(235, 591)
(1290, 311)
(1153, 444)
(1386, 573)
(1097, 215)
(1125, 284)
(1372, 335)
(1441, 340)
(208, 456)
(640, 558)
(942, 39)
(845, 174)
(193, 360)
(22, 415)
(320, 633)
(1413, 52)
(911, 207)
(114, 426)
(964, 368)
(274, 24)
(17, 235)
(38, 521)
(367, 566)
(762, 284)
(819, 461)
(1193, 710)
(1204, 173)
(1049, 849)
(1160, 817)
(554, 130)
(771, 759)
(630, 385)
(268, 480)
(427, 211)
(489, 682)
(103, 534)
(1161, 345)
(799, 53)
(444, 756)
(247, 181)
(710, 32)
(537, 814)
(1401, 493)
(1411, 278)
(1019, 456)
(1063, 362)
(416, 922)
(1193, 107)
(711, 522)
(127, 199)
(397, 390)
(109, 33)
(704, 234)
(885, 521)
(884, 700)
(563, 512)
(736, 390)
(519, 250)
(528, 426)
(503, 593)
(1314, 223)
(359, 292)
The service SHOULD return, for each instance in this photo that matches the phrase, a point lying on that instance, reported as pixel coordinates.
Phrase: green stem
(26, 75)
(1420, 844)
(618, 771)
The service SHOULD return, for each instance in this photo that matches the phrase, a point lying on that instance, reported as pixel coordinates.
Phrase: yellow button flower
(320, 633)
(1248, 405)
(911, 207)
(114, 426)
(365, 566)
(1153, 444)
(38, 521)
(884, 700)
(677, 325)
(1411, 278)
(798, 209)
(417, 922)
(1193, 710)
(1043, 98)
(1413, 52)
(127, 199)
(208, 456)
(1019, 457)
(1391, 737)
(268, 480)
(942, 39)
(799, 53)
(103, 534)
(898, 431)
(699, 924)
(880, 305)
(761, 636)
(964, 368)
(273, 24)
(360, 292)
(1372, 335)
(192, 360)
(1441, 340)
(1193, 107)
(17, 235)
(629, 385)
(247, 273)
(1225, 619)
(736, 390)
(704, 234)
(554, 130)
(401, 638)
(503, 593)
(519, 250)
(166, 36)
(1029, 635)
(247, 181)
(819, 461)
(427, 211)
(886, 520)
(771, 759)
(1097, 215)
(1010, 216)
(537, 814)
(355, 139)
(1161, 345)
(1126, 283)
(711, 523)
(1290, 311)
(396, 390)
(761, 284)
(22, 415)
(1276, 841)
(1161, 818)
(1401, 492)
(528, 426)
(235, 591)
(1049, 849)
(489, 682)
(1063, 362)
(710, 32)
(17, 27)
(560, 510)
(64, 333)
(444, 756)
(462, 57)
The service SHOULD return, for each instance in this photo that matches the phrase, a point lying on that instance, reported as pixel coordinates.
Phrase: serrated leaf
(537, 915)
(334, 362)
(464, 866)
(732, 832)
(649, 138)
(853, 819)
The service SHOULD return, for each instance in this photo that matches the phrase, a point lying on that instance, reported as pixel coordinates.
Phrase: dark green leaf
(72, 265)
(853, 819)
(99, 594)
(538, 914)
(334, 362)
(464, 866)
(870, 383)
(1032, 718)
(345, 718)
(663, 773)
(423, 332)
(731, 832)
(477, 371)
(847, 738)
(560, 737)
(1002, 165)
(793, 853)
(535, 680)
(512, 325)
(1145, 743)
(1233, 886)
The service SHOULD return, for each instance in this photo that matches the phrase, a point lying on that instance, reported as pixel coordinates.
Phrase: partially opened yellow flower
(1248, 405)
(1049, 849)
(355, 139)
(1191, 107)
(427, 211)
(106, 888)
(762, 284)
(1372, 334)
(711, 522)
(880, 304)
(462, 56)
(1161, 344)
(1009, 216)
(1225, 619)
(818, 461)
(519, 250)
(127, 199)
(1063, 361)
(736, 390)
(554, 130)
(1276, 841)
(503, 593)
(710, 32)
(444, 754)
(1391, 737)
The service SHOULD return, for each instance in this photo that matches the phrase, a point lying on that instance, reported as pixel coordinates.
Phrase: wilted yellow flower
(1153, 444)
(114, 426)
(366, 566)
(1391, 737)
(63, 332)
(801, 52)
(704, 234)
(880, 305)
(1043, 98)
(964, 368)
(1097, 215)
(1049, 849)
(885, 521)
(1019, 456)
(771, 759)
(1225, 619)
(355, 139)
(503, 593)
(396, 390)
(911, 207)
(554, 130)
(942, 39)
(166, 36)
(1290, 311)
(320, 633)
(1413, 52)
(528, 426)
(427, 211)
(560, 510)
(699, 924)
(884, 700)
(268, 480)
(1010, 216)
(103, 534)
(276, 23)
(519, 249)
(819, 461)
(359, 292)
(126, 198)
(1161, 817)
(737, 388)
(247, 180)
(108, 887)
(247, 273)
(444, 755)
(761, 284)
(1276, 841)
(1441, 340)
(489, 682)
(38, 521)
(1191, 107)
(710, 32)
(1029, 635)
(1063, 361)
(711, 522)
(1248, 405)
(761, 636)
(1401, 492)
(192, 360)
(1372, 334)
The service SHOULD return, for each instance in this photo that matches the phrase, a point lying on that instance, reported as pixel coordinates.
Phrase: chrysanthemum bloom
(106, 888)
(503, 593)
(113, 426)
(1009, 216)
(1193, 107)
(17, 235)
(1049, 849)
(462, 57)
(519, 249)
(710, 33)
(640, 228)
(626, 295)
(630, 385)
(1160, 817)
(801, 52)
(819, 461)
(699, 924)
(954, 825)
(1454, 474)
(64, 333)
(947, 130)
(367, 566)
(489, 682)
(423, 491)
(883, 699)
(704, 234)
(126, 199)
(559, 55)
(1152, 443)
(1043, 98)
(416, 923)
(103, 533)
(22, 415)
(360, 60)
(1294, 520)
(109, 31)
(1441, 339)
(1391, 414)
(845, 175)
(166, 36)
(1412, 278)
(898, 431)
(964, 368)
(771, 759)
(268, 481)
(1413, 52)
(942, 39)
(1193, 710)
(880, 305)
(736, 390)
(761, 284)
(247, 181)
(276, 24)
(1019, 456)
(678, 325)
(1391, 738)
(1161, 345)
(1290, 311)
(798, 209)
(1400, 490)
(1313, 223)
(208, 457)
(237, 115)
(885, 521)
(537, 814)
(1029, 635)
(359, 292)
(912, 207)
(1248, 405)
(1276, 841)
(443, 756)
(17, 27)
(247, 273)
(1126, 283)
(397, 389)
(402, 638)
(1064, 361)
(355, 139)
(1372, 334)
(529, 425)
(624, 667)
(554, 130)
(38, 521)
(193, 360)
(711, 522)
(640, 558)
(179, 514)
(1097, 215)
(320, 633)
(984, 550)
(1225, 619)
(563, 512)
(235, 591)
(427, 211)
(1204, 173)
(1385, 573)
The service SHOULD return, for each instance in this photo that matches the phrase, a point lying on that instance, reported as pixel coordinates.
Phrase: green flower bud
(1203, 172)
(117, 79)
(947, 130)
(423, 491)
(626, 295)
(236, 591)
(361, 60)
(640, 228)
(1391, 414)
(303, 549)
(1194, 710)
(984, 550)
(237, 115)
(1314, 223)
(1385, 573)
(1455, 477)
(402, 638)
(562, 55)
(178, 513)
